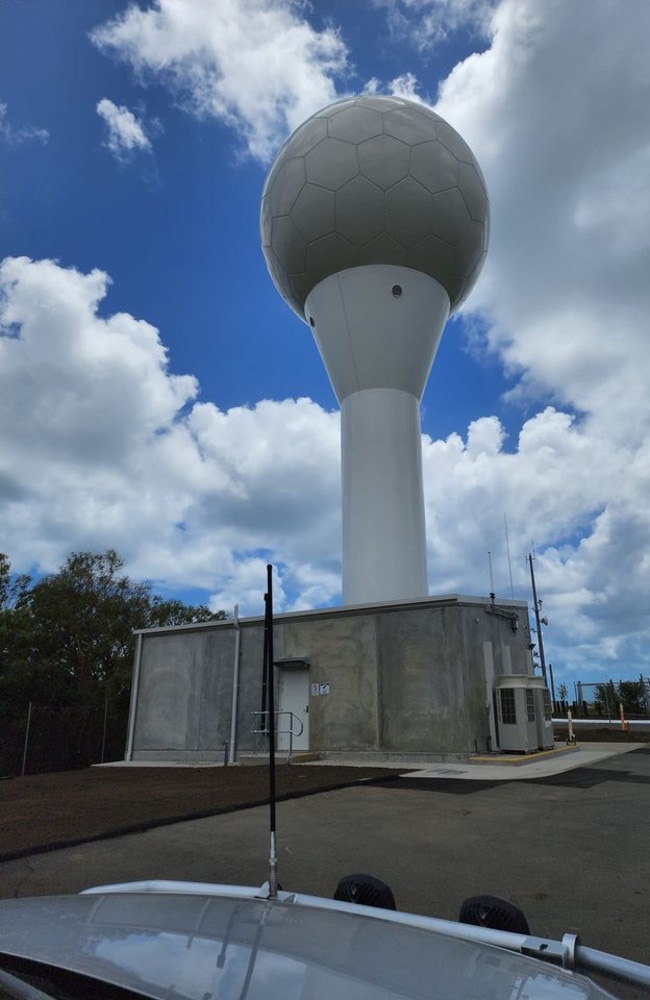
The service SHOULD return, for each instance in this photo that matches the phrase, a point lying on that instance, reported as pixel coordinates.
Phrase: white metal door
(293, 697)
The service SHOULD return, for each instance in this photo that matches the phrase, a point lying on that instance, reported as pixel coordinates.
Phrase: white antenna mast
(505, 526)
(492, 591)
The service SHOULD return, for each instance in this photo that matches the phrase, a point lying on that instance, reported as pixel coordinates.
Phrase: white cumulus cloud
(256, 65)
(102, 446)
(14, 135)
(426, 23)
(126, 134)
(556, 110)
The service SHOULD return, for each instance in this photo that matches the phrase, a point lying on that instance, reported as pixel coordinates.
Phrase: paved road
(570, 848)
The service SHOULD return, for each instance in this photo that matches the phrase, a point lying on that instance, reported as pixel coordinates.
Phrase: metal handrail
(290, 732)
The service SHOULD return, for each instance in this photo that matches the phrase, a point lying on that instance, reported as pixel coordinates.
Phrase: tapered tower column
(384, 534)
(377, 329)
(374, 227)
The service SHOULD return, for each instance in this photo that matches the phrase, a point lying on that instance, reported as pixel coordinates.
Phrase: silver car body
(204, 942)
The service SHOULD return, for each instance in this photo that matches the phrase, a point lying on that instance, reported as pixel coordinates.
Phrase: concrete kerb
(585, 755)
(505, 768)
(499, 767)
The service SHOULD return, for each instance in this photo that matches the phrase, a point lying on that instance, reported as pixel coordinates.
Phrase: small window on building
(507, 706)
(547, 706)
(530, 705)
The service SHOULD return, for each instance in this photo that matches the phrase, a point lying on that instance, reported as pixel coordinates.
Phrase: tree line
(632, 695)
(607, 698)
(66, 659)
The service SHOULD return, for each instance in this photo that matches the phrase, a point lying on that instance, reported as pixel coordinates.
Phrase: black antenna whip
(268, 646)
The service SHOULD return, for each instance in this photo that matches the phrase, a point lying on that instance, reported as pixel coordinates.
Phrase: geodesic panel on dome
(333, 109)
(321, 253)
(300, 285)
(384, 160)
(432, 253)
(359, 210)
(408, 212)
(454, 142)
(287, 185)
(313, 211)
(355, 124)
(374, 180)
(331, 163)
(434, 166)
(309, 135)
(411, 128)
(376, 101)
(451, 216)
(288, 245)
(469, 249)
(382, 248)
(473, 190)
(279, 275)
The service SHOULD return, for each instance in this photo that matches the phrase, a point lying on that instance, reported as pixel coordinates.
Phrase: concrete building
(422, 677)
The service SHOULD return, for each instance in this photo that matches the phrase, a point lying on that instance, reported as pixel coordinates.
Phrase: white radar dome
(374, 180)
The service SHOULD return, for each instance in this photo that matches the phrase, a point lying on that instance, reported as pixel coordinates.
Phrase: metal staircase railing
(290, 732)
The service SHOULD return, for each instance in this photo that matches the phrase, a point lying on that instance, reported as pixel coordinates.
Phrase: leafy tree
(15, 628)
(631, 694)
(82, 621)
(176, 613)
(605, 697)
(13, 588)
(67, 642)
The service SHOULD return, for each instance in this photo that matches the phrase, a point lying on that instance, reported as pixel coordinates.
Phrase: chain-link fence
(39, 738)
(603, 699)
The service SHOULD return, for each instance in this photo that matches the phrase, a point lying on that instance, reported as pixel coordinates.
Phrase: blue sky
(188, 210)
(157, 395)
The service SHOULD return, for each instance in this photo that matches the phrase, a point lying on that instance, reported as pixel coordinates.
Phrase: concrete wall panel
(250, 688)
(216, 689)
(343, 654)
(422, 682)
(169, 701)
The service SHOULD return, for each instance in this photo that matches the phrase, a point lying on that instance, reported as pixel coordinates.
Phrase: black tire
(366, 890)
(494, 912)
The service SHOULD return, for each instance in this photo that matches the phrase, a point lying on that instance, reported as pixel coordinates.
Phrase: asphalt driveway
(571, 848)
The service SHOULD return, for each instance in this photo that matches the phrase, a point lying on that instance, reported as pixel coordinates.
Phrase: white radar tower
(374, 227)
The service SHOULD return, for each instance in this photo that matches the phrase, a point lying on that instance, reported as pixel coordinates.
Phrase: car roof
(196, 945)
